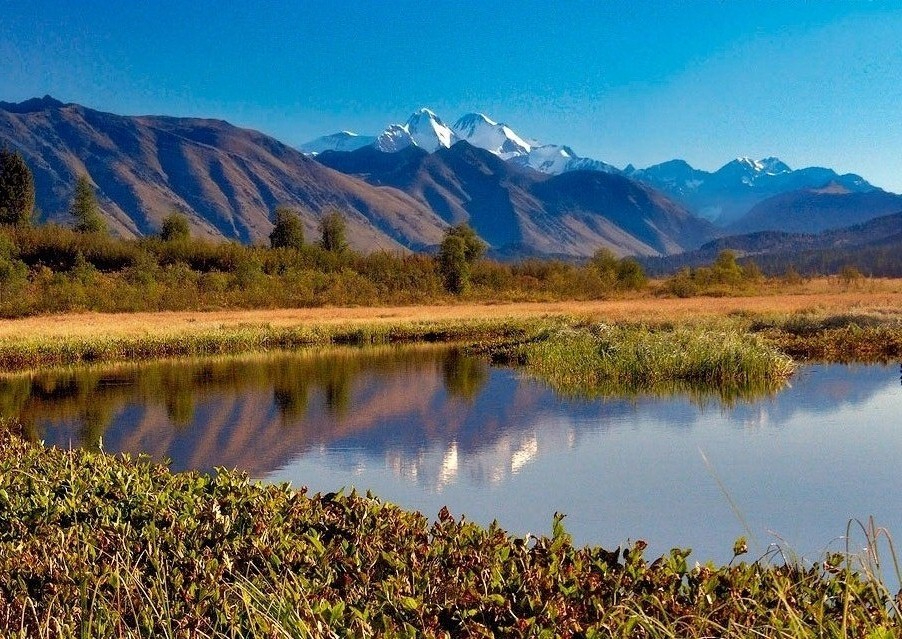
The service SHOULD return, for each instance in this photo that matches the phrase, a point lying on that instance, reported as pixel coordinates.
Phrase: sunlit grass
(607, 360)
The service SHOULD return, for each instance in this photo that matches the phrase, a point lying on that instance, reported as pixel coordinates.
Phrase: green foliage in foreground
(601, 359)
(102, 546)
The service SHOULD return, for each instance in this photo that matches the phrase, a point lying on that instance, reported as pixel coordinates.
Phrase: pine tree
(84, 208)
(16, 189)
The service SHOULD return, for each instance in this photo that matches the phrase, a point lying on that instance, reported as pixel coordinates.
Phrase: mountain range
(723, 196)
(225, 179)
(401, 189)
(525, 211)
(228, 180)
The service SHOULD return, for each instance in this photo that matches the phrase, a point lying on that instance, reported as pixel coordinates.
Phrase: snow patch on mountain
(395, 138)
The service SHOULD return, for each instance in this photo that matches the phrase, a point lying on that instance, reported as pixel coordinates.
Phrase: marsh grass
(93, 545)
(49, 351)
(853, 336)
(603, 359)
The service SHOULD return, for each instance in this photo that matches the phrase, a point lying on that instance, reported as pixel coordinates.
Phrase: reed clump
(102, 546)
(603, 359)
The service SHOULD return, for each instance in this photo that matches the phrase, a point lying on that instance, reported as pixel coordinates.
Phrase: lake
(426, 426)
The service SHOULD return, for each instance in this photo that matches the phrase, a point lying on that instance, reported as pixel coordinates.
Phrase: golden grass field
(884, 296)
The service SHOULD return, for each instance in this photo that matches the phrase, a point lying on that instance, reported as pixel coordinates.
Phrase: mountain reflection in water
(426, 426)
(257, 413)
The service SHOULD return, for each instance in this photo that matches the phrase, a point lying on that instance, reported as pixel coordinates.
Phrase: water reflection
(429, 426)
(417, 409)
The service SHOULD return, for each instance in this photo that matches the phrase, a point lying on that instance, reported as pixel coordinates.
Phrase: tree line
(82, 266)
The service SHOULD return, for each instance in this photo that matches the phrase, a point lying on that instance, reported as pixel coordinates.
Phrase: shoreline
(805, 326)
(631, 309)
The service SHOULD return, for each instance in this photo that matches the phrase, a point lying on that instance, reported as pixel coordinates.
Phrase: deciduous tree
(333, 232)
(460, 248)
(288, 231)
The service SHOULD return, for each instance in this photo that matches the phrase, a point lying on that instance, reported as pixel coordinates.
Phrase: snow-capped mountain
(480, 131)
(427, 131)
(341, 141)
(423, 129)
(721, 196)
(393, 139)
(728, 193)
(556, 159)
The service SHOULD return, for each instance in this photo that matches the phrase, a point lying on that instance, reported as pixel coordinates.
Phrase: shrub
(175, 228)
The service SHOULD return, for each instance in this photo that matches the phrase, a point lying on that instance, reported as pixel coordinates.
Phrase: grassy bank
(863, 325)
(95, 545)
(43, 351)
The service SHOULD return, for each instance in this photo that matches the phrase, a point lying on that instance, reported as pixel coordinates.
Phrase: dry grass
(887, 299)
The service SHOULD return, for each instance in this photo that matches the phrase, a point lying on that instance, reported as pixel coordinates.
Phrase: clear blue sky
(641, 82)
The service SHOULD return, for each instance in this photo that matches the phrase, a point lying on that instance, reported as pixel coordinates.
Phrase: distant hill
(812, 210)
(874, 247)
(520, 211)
(227, 180)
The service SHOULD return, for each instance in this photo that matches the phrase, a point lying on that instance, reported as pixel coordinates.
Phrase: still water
(426, 427)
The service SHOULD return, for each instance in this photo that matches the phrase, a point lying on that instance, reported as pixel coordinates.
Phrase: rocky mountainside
(529, 212)
(227, 180)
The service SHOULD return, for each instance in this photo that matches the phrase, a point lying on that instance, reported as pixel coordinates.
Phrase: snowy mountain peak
(394, 139)
(770, 165)
(748, 163)
(471, 121)
(423, 112)
(428, 131)
(480, 130)
(774, 166)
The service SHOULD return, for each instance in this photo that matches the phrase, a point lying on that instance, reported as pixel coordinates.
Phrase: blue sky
(641, 82)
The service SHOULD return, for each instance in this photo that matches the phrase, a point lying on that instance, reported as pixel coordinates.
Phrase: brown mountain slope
(509, 206)
(225, 179)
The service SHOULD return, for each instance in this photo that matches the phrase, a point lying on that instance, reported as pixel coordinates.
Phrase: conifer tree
(16, 189)
(84, 209)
